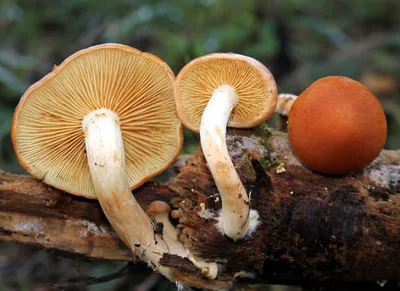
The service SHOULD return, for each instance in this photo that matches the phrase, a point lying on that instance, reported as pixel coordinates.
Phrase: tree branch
(313, 228)
(37, 214)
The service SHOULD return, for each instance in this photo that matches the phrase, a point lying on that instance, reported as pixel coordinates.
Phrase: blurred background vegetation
(299, 40)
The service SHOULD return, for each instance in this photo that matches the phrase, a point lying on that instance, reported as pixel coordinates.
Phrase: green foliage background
(355, 38)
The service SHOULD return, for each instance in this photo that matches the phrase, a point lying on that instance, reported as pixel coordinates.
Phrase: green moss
(263, 135)
(268, 162)
(265, 131)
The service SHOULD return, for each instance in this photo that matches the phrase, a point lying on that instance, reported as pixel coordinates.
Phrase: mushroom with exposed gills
(216, 91)
(100, 124)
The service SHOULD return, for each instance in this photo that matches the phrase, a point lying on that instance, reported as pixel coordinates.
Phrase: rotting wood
(314, 228)
(34, 213)
(37, 214)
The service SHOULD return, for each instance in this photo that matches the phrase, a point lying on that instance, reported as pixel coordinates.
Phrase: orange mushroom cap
(337, 126)
(157, 207)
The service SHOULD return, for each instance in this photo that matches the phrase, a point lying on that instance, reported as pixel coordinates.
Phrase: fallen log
(37, 214)
(313, 228)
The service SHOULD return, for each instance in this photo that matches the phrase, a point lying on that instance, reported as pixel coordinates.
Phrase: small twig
(86, 281)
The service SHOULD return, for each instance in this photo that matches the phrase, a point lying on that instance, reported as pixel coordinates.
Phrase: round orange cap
(336, 126)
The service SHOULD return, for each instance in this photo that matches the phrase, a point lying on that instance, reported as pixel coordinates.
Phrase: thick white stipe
(235, 201)
(106, 159)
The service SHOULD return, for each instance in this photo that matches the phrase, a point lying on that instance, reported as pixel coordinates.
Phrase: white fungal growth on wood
(254, 221)
(90, 225)
(236, 146)
(244, 274)
(386, 175)
(90, 228)
(34, 225)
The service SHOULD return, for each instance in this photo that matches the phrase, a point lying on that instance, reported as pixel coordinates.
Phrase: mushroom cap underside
(47, 125)
(251, 80)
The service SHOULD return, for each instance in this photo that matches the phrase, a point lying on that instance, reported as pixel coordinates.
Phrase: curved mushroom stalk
(249, 87)
(105, 153)
(235, 201)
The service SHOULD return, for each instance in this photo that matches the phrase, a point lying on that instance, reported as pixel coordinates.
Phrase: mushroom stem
(105, 154)
(235, 201)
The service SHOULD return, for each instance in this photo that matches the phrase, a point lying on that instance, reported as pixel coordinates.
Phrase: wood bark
(313, 228)
(37, 214)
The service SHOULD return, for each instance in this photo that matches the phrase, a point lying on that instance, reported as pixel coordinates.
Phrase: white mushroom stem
(235, 201)
(106, 159)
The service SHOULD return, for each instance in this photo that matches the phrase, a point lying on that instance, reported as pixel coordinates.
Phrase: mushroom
(208, 269)
(100, 124)
(285, 102)
(159, 210)
(174, 214)
(216, 91)
(204, 213)
(336, 126)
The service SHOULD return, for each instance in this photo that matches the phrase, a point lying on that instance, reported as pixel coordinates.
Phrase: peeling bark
(313, 228)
